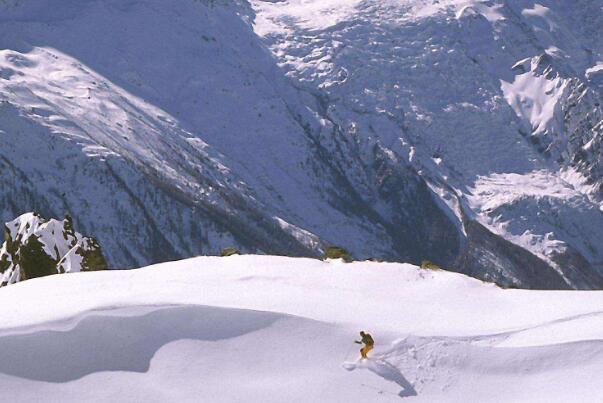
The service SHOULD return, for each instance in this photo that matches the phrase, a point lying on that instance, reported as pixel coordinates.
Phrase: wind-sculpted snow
(451, 369)
(173, 128)
(268, 329)
(125, 340)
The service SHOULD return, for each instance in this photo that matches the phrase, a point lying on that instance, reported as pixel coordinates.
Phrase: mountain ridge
(388, 128)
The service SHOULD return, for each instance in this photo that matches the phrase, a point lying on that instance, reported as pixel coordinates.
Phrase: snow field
(273, 329)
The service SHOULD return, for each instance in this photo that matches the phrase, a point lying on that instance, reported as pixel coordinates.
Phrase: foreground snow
(274, 329)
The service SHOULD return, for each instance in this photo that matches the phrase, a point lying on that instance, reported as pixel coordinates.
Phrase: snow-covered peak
(173, 128)
(474, 95)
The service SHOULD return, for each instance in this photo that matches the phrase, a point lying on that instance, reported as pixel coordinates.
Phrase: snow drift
(261, 328)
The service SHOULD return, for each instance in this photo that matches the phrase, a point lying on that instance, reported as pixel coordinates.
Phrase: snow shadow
(386, 371)
(106, 342)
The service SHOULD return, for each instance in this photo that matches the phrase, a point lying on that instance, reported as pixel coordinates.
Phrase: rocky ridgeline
(35, 247)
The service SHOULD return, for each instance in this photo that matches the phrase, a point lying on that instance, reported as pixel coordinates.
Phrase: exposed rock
(35, 247)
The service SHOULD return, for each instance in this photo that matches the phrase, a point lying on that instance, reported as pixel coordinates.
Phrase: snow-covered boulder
(35, 247)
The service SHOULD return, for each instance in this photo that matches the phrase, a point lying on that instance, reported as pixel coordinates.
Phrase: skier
(368, 343)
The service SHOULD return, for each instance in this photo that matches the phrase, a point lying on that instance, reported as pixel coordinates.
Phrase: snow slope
(270, 329)
(120, 105)
(174, 128)
(472, 93)
(168, 130)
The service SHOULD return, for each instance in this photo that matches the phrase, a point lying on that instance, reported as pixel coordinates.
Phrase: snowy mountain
(35, 247)
(274, 329)
(464, 132)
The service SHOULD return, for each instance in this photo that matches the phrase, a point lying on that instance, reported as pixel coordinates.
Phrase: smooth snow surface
(274, 329)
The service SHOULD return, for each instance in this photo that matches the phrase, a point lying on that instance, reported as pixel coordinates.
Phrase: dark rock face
(34, 247)
(583, 117)
(492, 258)
(33, 261)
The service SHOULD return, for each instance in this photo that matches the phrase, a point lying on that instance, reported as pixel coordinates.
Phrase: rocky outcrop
(35, 247)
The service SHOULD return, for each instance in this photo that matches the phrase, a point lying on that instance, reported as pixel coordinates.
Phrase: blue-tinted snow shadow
(119, 343)
(386, 371)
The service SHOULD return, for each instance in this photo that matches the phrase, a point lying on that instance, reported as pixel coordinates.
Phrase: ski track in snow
(269, 329)
(275, 329)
